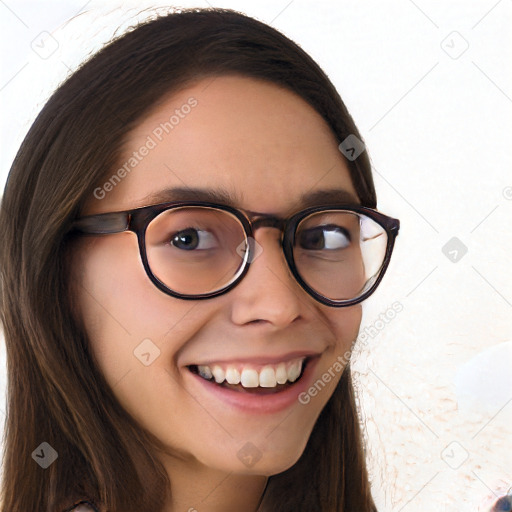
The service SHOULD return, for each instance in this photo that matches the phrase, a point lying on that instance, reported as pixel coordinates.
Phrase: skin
(268, 146)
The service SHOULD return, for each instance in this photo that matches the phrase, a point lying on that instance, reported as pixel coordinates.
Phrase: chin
(268, 460)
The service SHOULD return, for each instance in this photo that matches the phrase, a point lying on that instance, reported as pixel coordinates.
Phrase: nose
(268, 292)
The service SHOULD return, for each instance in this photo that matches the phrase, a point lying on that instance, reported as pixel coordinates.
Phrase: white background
(429, 85)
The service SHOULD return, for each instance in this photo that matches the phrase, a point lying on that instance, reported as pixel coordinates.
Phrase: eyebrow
(226, 197)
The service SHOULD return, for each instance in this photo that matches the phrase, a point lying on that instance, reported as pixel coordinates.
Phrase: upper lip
(260, 359)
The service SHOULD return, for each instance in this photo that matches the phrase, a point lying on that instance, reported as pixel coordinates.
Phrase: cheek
(134, 330)
(112, 288)
(125, 315)
(345, 323)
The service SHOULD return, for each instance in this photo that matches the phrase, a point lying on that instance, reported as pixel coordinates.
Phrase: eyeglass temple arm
(102, 224)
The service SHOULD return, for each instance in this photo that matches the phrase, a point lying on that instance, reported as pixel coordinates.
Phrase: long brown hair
(56, 393)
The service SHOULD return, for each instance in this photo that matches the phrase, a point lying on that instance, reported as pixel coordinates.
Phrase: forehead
(262, 144)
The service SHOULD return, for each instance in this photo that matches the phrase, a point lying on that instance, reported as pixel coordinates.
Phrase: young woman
(188, 233)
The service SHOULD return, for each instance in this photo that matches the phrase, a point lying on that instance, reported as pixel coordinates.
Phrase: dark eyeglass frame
(138, 219)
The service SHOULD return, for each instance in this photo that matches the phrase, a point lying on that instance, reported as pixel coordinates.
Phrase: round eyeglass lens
(339, 254)
(196, 250)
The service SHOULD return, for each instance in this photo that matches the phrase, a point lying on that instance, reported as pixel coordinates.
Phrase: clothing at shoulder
(83, 506)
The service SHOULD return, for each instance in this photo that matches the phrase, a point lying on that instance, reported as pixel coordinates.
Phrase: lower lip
(260, 404)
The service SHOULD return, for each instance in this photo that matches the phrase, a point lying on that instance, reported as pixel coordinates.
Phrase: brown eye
(328, 237)
(191, 238)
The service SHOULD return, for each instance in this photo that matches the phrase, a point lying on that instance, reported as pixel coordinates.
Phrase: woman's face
(267, 147)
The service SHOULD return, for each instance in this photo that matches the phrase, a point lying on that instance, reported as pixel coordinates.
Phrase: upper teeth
(267, 377)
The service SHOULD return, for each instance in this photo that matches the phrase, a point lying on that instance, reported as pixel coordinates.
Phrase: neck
(198, 488)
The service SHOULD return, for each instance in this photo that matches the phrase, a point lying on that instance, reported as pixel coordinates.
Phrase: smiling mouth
(269, 379)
